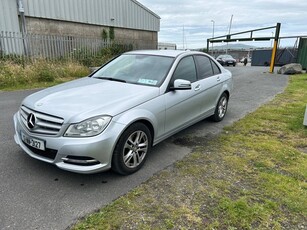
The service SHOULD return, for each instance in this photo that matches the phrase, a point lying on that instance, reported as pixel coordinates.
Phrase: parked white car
(113, 117)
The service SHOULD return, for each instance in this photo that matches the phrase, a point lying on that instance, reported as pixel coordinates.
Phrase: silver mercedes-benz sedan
(113, 117)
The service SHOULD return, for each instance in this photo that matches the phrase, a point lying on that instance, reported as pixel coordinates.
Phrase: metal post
(208, 40)
(21, 11)
(183, 38)
(274, 51)
(213, 23)
(229, 31)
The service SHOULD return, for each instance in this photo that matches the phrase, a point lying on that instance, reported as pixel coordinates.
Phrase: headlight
(88, 128)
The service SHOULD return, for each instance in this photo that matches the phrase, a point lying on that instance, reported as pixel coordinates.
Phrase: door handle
(218, 78)
(197, 88)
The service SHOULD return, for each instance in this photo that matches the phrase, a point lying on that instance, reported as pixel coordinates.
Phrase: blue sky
(195, 17)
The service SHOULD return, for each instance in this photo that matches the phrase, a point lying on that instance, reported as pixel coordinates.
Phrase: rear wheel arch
(221, 107)
(227, 93)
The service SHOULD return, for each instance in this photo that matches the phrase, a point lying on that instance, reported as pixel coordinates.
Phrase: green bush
(104, 35)
(46, 75)
(84, 56)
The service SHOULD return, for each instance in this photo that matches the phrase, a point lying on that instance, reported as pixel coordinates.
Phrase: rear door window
(216, 69)
(204, 66)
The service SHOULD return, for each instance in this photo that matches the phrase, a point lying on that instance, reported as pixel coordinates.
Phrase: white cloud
(196, 16)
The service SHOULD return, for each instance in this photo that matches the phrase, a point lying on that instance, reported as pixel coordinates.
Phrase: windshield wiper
(111, 79)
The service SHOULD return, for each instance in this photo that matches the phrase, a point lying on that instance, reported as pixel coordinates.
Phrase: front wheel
(221, 108)
(132, 149)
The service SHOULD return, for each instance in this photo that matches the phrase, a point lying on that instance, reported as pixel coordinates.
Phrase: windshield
(136, 69)
(226, 56)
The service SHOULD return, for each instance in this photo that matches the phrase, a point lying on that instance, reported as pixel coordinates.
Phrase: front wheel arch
(129, 154)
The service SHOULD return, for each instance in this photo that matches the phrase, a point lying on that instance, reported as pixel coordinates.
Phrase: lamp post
(213, 23)
(230, 24)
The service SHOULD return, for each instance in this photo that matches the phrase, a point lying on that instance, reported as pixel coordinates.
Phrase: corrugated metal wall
(9, 27)
(117, 13)
(9, 16)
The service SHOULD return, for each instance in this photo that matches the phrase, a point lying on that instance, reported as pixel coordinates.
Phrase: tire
(132, 149)
(221, 108)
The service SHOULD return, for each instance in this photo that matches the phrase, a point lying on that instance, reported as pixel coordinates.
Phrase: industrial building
(129, 21)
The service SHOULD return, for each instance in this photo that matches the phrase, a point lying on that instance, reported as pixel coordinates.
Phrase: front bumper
(230, 63)
(80, 155)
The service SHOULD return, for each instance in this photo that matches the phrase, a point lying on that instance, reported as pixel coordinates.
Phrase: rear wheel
(132, 149)
(221, 108)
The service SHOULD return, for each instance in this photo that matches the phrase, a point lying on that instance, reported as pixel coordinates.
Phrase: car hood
(88, 97)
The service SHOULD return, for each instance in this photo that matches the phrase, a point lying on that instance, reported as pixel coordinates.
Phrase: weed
(39, 73)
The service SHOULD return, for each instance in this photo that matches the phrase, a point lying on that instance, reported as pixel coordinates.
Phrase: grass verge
(38, 74)
(253, 176)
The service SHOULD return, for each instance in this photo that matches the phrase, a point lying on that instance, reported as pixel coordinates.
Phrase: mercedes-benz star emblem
(31, 121)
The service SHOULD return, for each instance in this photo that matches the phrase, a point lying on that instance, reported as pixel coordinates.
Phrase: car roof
(167, 53)
(225, 55)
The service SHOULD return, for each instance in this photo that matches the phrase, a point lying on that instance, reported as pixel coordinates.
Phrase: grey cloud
(196, 16)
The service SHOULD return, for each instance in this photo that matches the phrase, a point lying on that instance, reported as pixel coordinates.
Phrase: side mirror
(180, 84)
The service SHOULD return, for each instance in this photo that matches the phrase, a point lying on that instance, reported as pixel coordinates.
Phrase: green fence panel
(302, 53)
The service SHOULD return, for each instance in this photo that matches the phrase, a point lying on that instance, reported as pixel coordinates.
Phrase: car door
(181, 106)
(210, 81)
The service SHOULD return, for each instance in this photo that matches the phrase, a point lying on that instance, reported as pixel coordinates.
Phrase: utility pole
(183, 37)
(229, 31)
(213, 24)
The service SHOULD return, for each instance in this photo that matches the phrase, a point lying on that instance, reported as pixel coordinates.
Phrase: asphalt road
(36, 195)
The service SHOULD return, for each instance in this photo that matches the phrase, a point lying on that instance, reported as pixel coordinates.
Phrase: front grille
(44, 124)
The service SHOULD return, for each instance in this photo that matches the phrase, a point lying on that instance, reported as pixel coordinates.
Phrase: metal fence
(53, 46)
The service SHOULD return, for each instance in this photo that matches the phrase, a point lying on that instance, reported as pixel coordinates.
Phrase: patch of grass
(38, 74)
(253, 176)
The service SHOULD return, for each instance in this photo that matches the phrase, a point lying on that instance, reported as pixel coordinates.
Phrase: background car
(113, 117)
(226, 59)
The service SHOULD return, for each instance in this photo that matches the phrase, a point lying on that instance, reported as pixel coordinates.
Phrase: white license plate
(33, 142)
